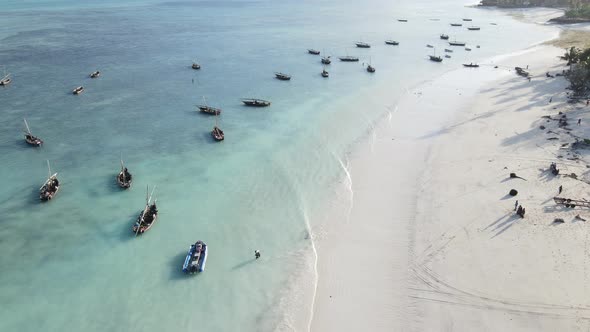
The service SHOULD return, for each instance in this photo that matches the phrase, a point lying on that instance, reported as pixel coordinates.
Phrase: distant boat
(444, 37)
(467, 49)
(362, 45)
(208, 109)
(457, 43)
(391, 42)
(456, 24)
(50, 187)
(96, 74)
(314, 52)
(370, 68)
(348, 58)
(402, 20)
(5, 79)
(147, 218)
(471, 65)
(429, 46)
(435, 58)
(124, 178)
(256, 102)
(325, 73)
(493, 24)
(467, 20)
(478, 46)
(29, 138)
(282, 77)
(473, 28)
(326, 60)
(447, 56)
(78, 90)
(196, 66)
(196, 258)
(217, 133)
(448, 51)
(434, 19)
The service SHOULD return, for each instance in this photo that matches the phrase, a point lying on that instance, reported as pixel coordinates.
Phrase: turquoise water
(74, 265)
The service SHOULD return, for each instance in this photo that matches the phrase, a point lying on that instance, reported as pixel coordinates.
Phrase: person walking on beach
(257, 254)
(551, 99)
(587, 102)
(579, 122)
(515, 205)
(560, 189)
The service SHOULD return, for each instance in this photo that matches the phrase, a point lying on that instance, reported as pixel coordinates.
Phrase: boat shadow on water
(127, 231)
(243, 264)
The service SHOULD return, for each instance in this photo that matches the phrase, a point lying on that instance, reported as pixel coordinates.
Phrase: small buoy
(513, 192)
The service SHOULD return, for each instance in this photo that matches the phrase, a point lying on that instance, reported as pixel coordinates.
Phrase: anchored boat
(456, 24)
(325, 73)
(314, 52)
(78, 90)
(444, 37)
(283, 77)
(96, 74)
(217, 133)
(196, 66)
(349, 58)
(471, 65)
(362, 45)
(391, 42)
(5, 79)
(256, 102)
(29, 138)
(208, 109)
(124, 178)
(50, 187)
(147, 217)
(473, 28)
(196, 258)
(326, 60)
(457, 43)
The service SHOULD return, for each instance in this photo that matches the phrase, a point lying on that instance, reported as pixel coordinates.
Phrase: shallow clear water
(73, 264)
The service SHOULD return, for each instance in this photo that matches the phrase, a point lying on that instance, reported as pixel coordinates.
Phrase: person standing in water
(257, 254)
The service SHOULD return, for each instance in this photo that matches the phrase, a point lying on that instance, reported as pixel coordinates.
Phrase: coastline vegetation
(579, 73)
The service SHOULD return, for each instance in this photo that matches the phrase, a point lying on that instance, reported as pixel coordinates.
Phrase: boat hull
(194, 264)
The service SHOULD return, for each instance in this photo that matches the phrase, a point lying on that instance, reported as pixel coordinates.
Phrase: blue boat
(196, 258)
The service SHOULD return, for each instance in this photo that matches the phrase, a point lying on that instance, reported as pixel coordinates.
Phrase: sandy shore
(424, 237)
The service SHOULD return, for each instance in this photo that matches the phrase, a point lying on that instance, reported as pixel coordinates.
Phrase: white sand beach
(424, 236)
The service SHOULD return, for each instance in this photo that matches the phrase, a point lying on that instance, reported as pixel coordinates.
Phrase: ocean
(73, 264)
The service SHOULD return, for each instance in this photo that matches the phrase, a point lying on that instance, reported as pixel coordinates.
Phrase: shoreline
(383, 211)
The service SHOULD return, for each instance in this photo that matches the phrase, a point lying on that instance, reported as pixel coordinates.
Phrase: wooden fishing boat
(5, 79)
(429, 46)
(51, 186)
(325, 73)
(30, 138)
(256, 102)
(456, 24)
(444, 37)
(467, 20)
(348, 58)
(467, 49)
(326, 60)
(471, 65)
(457, 43)
(402, 20)
(147, 218)
(196, 258)
(362, 45)
(473, 28)
(96, 74)
(447, 56)
(314, 52)
(208, 109)
(196, 66)
(282, 76)
(78, 90)
(217, 133)
(391, 42)
(370, 69)
(448, 50)
(124, 178)
(435, 58)
(493, 23)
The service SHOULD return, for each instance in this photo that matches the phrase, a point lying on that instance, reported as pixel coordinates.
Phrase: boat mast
(49, 169)
(27, 125)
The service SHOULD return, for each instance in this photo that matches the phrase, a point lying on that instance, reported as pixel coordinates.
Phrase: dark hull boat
(196, 66)
(402, 20)
(96, 74)
(256, 102)
(362, 45)
(435, 58)
(467, 20)
(349, 58)
(326, 60)
(448, 51)
(209, 110)
(124, 178)
(370, 69)
(473, 28)
(444, 37)
(325, 73)
(196, 258)
(5, 81)
(429, 46)
(391, 42)
(50, 187)
(282, 77)
(467, 49)
(471, 65)
(29, 138)
(78, 90)
(447, 56)
(147, 218)
(314, 52)
(217, 134)
(456, 24)
(456, 43)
